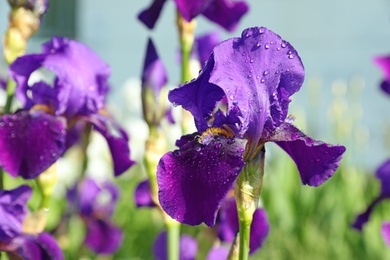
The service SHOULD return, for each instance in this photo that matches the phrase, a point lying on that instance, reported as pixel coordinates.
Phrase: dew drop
(176, 152)
(266, 72)
(261, 30)
(278, 48)
(290, 56)
(258, 44)
(217, 145)
(283, 44)
(231, 97)
(250, 76)
(266, 46)
(231, 141)
(198, 148)
(262, 80)
(244, 54)
(251, 61)
(240, 150)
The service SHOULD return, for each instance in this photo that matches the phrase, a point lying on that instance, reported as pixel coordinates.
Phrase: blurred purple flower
(383, 174)
(142, 196)
(384, 63)
(226, 13)
(187, 249)
(228, 224)
(385, 230)
(96, 204)
(13, 211)
(77, 93)
(257, 73)
(204, 45)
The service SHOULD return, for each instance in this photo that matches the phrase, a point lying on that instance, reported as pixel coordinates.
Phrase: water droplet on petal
(198, 148)
(258, 44)
(262, 80)
(261, 30)
(231, 141)
(266, 46)
(290, 56)
(283, 44)
(231, 97)
(251, 61)
(176, 152)
(266, 72)
(217, 145)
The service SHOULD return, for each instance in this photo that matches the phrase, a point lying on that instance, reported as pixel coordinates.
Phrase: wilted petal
(385, 231)
(13, 210)
(102, 236)
(228, 225)
(117, 140)
(187, 251)
(150, 15)
(142, 196)
(315, 160)
(226, 13)
(30, 142)
(82, 75)
(363, 218)
(384, 63)
(194, 180)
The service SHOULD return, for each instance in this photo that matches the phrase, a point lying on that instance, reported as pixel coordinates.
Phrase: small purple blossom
(142, 196)
(13, 211)
(96, 204)
(226, 13)
(228, 225)
(383, 174)
(188, 247)
(76, 94)
(384, 63)
(204, 45)
(385, 231)
(257, 73)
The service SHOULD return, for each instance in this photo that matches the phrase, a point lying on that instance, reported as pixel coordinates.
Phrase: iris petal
(150, 15)
(384, 63)
(194, 180)
(30, 142)
(385, 231)
(315, 160)
(142, 196)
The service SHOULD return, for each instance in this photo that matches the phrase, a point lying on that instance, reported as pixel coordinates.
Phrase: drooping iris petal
(199, 97)
(194, 179)
(142, 196)
(117, 140)
(257, 72)
(315, 160)
(228, 225)
(13, 210)
(226, 13)
(190, 9)
(383, 174)
(102, 236)
(205, 44)
(187, 249)
(384, 63)
(82, 75)
(385, 231)
(150, 15)
(40, 247)
(30, 142)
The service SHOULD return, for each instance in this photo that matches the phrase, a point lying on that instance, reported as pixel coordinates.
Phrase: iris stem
(247, 192)
(173, 238)
(10, 95)
(1, 179)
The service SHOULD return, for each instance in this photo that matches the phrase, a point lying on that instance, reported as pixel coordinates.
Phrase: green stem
(247, 192)
(1, 179)
(173, 239)
(10, 95)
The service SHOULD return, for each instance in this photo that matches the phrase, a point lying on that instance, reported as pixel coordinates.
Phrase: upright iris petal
(205, 44)
(226, 13)
(256, 73)
(13, 211)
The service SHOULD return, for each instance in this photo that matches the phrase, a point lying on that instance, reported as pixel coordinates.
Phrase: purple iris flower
(13, 211)
(384, 63)
(383, 174)
(96, 204)
(257, 73)
(204, 45)
(142, 196)
(385, 230)
(76, 95)
(228, 225)
(188, 247)
(226, 13)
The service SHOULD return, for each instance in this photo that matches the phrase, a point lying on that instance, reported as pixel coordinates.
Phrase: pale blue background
(336, 39)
